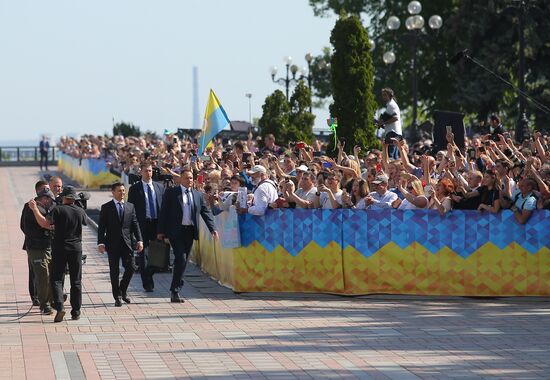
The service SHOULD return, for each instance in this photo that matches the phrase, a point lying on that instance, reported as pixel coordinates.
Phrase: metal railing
(25, 154)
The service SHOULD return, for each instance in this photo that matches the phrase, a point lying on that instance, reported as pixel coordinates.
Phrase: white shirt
(187, 219)
(306, 195)
(146, 191)
(382, 201)
(406, 205)
(264, 194)
(325, 200)
(393, 109)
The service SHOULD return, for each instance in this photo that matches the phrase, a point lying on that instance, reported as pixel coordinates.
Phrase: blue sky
(69, 67)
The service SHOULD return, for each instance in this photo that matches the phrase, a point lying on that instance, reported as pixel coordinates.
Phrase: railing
(25, 154)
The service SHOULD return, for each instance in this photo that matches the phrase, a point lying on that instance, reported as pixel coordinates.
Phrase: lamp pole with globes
(249, 96)
(292, 72)
(414, 23)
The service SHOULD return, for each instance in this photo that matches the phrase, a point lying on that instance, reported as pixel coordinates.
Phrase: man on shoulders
(117, 224)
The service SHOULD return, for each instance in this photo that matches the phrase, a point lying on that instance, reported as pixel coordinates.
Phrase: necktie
(120, 210)
(151, 202)
(190, 204)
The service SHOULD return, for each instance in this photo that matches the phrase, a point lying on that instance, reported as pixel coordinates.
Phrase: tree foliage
(352, 83)
(488, 28)
(126, 129)
(288, 121)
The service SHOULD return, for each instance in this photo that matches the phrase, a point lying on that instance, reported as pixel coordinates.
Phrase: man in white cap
(381, 197)
(265, 192)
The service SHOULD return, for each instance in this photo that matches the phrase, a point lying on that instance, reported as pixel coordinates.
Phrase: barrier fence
(388, 251)
(88, 172)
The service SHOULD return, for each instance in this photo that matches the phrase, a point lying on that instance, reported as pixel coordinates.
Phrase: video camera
(82, 202)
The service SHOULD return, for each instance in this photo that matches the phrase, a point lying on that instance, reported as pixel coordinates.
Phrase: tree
(352, 82)
(488, 28)
(300, 119)
(275, 116)
(126, 129)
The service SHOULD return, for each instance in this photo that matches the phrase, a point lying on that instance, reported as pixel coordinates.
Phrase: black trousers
(181, 245)
(148, 232)
(32, 289)
(60, 259)
(120, 286)
(44, 159)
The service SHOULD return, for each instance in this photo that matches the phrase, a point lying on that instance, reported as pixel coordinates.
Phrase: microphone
(458, 56)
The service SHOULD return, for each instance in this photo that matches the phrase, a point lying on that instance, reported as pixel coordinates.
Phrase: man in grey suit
(117, 224)
(179, 222)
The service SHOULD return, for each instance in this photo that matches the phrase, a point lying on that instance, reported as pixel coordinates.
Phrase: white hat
(257, 169)
(381, 178)
(302, 168)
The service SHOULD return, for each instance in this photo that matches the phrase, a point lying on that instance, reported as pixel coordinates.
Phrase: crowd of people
(170, 186)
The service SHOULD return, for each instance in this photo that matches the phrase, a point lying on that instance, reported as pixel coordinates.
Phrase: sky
(69, 67)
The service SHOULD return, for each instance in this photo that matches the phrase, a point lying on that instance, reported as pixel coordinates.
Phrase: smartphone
(246, 156)
(193, 158)
(449, 129)
(206, 158)
(327, 165)
(300, 145)
(200, 179)
(317, 154)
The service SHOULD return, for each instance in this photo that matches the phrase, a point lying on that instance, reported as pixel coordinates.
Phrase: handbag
(159, 254)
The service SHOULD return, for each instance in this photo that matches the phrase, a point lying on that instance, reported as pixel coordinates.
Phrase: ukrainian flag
(215, 120)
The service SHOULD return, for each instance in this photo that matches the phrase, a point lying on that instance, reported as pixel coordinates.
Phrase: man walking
(68, 220)
(117, 224)
(146, 196)
(179, 221)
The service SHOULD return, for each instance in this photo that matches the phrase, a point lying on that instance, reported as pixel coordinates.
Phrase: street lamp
(292, 72)
(249, 96)
(414, 24)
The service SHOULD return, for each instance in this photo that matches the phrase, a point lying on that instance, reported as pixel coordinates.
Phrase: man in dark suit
(146, 196)
(117, 223)
(179, 222)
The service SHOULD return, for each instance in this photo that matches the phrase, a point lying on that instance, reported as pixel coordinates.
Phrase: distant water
(19, 142)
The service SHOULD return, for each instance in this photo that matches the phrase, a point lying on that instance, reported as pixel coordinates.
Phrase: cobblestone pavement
(217, 334)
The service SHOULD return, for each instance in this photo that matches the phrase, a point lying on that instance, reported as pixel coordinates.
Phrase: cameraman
(391, 122)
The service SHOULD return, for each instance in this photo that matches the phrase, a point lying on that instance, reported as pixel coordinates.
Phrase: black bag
(159, 254)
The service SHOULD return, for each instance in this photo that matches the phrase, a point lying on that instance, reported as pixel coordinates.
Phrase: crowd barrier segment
(88, 172)
(355, 252)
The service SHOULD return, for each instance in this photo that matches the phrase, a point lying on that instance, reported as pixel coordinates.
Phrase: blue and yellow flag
(215, 120)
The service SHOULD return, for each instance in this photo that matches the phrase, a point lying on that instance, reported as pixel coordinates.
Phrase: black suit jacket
(113, 232)
(136, 196)
(171, 213)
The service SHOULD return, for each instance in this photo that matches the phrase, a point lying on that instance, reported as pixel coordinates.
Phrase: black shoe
(47, 310)
(75, 317)
(35, 302)
(118, 302)
(126, 299)
(148, 289)
(175, 298)
(59, 316)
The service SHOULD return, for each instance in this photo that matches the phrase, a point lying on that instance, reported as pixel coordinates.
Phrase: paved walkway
(217, 334)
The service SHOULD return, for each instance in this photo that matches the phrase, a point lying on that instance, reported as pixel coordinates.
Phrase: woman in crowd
(413, 193)
(440, 198)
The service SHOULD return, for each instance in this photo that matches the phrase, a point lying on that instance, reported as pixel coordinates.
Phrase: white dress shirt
(187, 219)
(146, 191)
(264, 194)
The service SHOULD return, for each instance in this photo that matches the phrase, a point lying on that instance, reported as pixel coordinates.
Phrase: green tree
(275, 116)
(126, 129)
(300, 119)
(352, 83)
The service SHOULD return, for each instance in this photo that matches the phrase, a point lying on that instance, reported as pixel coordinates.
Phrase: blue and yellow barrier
(88, 172)
(390, 251)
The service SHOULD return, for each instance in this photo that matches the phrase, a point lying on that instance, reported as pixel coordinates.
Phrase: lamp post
(522, 125)
(414, 24)
(249, 96)
(292, 72)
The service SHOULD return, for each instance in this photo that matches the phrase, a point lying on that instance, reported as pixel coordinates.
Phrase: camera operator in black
(68, 220)
(38, 243)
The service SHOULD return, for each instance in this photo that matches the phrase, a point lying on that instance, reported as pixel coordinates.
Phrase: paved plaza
(217, 334)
